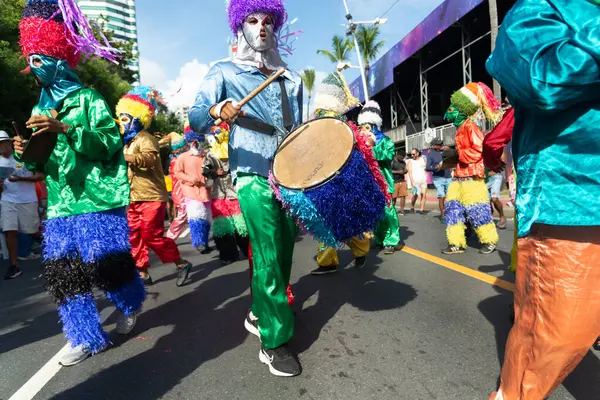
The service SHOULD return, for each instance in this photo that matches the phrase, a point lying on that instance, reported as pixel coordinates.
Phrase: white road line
(49, 370)
(41, 378)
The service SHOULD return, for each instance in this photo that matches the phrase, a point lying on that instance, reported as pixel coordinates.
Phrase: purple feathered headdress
(238, 10)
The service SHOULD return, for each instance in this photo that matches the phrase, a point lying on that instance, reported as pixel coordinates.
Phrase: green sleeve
(384, 150)
(94, 133)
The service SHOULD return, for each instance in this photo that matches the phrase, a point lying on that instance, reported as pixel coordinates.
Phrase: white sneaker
(31, 256)
(125, 324)
(76, 355)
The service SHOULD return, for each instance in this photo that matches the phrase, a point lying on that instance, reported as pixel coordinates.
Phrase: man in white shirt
(19, 203)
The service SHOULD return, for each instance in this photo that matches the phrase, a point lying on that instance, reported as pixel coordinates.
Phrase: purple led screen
(381, 74)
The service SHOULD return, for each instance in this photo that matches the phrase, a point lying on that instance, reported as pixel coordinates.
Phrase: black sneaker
(13, 272)
(281, 361)
(205, 249)
(488, 249)
(453, 250)
(251, 324)
(183, 271)
(359, 262)
(148, 281)
(324, 270)
(389, 250)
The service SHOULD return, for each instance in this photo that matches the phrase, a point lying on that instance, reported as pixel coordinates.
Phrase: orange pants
(557, 308)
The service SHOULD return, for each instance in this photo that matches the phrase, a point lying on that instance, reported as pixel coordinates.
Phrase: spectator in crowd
(494, 184)
(418, 179)
(400, 186)
(442, 178)
(19, 211)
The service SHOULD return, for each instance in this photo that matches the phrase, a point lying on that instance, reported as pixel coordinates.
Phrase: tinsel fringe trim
(81, 323)
(223, 226)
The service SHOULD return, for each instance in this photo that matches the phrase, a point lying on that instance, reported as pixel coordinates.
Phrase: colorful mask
(194, 140)
(372, 129)
(56, 79)
(136, 110)
(129, 127)
(454, 116)
(219, 141)
(321, 113)
(252, 27)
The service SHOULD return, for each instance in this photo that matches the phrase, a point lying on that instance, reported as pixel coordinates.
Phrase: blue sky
(178, 39)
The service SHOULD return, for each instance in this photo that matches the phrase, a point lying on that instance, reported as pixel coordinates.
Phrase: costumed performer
(86, 237)
(180, 222)
(194, 185)
(387, 231)
(254, 138)
(229, 227)
(146, 212)
(472, 107)
(332, 99)
(548, 59)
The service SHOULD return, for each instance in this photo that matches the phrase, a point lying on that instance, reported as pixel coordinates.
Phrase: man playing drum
(255, 135)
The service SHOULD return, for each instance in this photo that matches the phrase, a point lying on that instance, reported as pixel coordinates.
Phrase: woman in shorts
(418, 179)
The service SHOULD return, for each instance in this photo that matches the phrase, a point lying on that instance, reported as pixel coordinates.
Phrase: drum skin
(326, 178)
(312, 154)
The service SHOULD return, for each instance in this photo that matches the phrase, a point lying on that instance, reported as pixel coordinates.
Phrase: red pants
(147, 227)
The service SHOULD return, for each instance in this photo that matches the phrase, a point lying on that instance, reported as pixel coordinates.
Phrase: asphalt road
(401, 328)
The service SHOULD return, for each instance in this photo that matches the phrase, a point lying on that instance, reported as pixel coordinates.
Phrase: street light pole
(360, 60)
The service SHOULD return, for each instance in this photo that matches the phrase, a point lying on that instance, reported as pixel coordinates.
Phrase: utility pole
(351, 31)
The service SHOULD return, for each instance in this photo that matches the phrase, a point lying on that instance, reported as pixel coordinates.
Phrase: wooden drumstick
(256, 91)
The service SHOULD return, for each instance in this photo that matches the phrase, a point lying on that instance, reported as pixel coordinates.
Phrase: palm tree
(340, 50)
(369, 46)
(308, 77)
(493, 8)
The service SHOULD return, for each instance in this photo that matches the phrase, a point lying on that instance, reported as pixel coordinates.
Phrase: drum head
(313, 153)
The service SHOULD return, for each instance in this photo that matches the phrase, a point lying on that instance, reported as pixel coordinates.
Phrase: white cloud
(177, 92)
(183, 90)
(151, 73)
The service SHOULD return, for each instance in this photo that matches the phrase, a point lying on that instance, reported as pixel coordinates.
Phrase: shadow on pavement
(360, 288)
(202, 329)
(24, 303)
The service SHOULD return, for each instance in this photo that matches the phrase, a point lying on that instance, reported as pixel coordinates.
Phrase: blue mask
(131, 128)
(57, 81)
(379, 136)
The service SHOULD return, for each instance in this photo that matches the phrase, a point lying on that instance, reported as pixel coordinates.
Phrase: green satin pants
(387, 231)
(272, 237)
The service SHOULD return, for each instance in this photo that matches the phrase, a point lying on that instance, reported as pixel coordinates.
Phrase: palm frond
(308, 77)
(328, 54)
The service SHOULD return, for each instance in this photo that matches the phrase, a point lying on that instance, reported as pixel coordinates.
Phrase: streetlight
(351, 31)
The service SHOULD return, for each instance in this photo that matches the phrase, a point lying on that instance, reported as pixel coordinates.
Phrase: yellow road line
(492, 280)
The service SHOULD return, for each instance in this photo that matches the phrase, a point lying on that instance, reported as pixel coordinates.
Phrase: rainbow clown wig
(238, 10)
(475, 100)
(191, 136)
(58, 29)
(140, 103)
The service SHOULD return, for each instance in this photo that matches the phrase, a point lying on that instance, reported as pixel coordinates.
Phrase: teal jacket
(547, 57)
